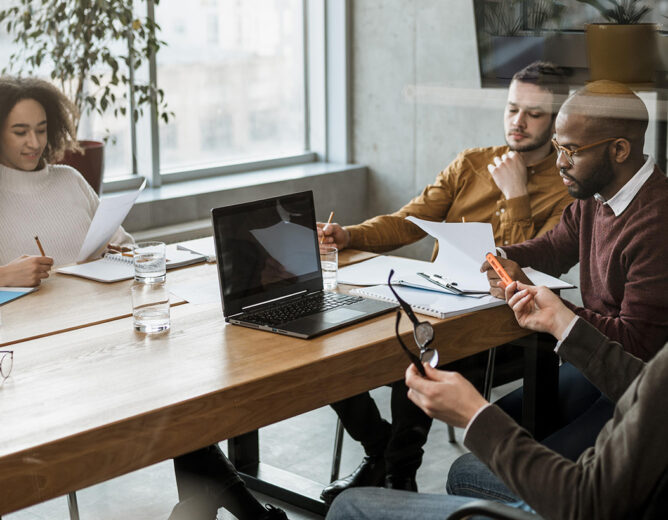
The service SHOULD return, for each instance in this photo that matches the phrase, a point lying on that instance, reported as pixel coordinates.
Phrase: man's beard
(594, 182)
(535, 144)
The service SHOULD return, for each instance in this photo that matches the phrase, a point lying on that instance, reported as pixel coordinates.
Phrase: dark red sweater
(623, 264)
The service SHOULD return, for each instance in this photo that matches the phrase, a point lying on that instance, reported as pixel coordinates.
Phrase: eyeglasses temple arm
(413, 358)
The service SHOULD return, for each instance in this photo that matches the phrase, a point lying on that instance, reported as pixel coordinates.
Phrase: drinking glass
(150, 262)
(329, 260)
(150, 307)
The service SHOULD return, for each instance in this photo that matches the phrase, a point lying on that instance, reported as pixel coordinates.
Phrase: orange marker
(498, 268)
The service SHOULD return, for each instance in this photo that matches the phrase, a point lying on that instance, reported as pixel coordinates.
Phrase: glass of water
(150, 307)
(329, 260)
(150, 262)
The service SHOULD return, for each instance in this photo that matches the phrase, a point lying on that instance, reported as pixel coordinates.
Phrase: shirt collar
(620, 200)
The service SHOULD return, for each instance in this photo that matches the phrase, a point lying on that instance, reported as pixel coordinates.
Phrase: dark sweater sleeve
(605, 363)
(556, 251)
(610, 480)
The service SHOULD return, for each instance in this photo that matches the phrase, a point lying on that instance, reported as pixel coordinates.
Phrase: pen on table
(329, 221)
(39, 244)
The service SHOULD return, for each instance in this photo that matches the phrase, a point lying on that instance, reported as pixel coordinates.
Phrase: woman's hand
(25, 271)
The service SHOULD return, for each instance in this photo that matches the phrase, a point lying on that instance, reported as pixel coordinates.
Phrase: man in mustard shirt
(518, 190)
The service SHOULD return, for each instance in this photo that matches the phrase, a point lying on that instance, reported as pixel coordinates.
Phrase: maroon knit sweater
(623, 264)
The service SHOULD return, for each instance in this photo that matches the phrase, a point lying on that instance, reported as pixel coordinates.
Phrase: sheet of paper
(198, 293)
(540, 278)
(109, 215)
(376, 270)
(461, 252)
(204, 246)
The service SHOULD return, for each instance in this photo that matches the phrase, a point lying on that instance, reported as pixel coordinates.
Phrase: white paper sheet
(461, 251)
(199, 293)
(109, 215)
(203, 246)
(376, 270)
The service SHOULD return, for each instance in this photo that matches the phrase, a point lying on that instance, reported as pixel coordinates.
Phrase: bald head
(609, 109)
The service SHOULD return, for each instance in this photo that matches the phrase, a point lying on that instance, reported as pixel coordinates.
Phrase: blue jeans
(391, 504)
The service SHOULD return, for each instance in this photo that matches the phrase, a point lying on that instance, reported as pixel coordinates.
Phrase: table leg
(541, 386)
(244, 452)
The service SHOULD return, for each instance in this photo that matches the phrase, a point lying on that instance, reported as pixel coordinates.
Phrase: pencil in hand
(39, 244)
(329, 221)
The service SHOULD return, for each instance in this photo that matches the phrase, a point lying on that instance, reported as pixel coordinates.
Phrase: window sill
(182, 209)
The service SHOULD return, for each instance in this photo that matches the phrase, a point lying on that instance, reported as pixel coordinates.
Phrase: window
(233, 73)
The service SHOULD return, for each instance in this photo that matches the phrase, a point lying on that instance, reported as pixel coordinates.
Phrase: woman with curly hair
(37, 196)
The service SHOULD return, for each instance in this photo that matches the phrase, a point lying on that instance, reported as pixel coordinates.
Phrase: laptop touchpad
(339, 315)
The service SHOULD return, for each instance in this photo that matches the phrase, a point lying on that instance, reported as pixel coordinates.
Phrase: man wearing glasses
(616, 230)
(517, 189)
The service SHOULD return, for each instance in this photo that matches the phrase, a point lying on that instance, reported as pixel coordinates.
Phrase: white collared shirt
(620, 200)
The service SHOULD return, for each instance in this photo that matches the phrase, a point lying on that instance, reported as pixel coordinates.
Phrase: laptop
(270, 273)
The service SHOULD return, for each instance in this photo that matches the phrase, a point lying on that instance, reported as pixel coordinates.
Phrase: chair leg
(489, 374)
(451, 434)
(73, 506)
(338, 446)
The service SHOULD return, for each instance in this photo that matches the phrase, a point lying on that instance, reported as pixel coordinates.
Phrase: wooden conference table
(89, 399)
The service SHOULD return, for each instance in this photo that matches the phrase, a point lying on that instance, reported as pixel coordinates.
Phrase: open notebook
(115, 267)
(431, 303)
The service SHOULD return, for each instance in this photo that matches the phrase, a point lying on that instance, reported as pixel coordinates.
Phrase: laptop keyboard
(303, 307)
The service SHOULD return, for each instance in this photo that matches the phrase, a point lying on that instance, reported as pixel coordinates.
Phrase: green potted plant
(623, 49)
(515, 31)
(91, 49)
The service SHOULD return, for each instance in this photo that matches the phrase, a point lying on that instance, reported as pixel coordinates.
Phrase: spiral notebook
(431, 303)
(114, 267)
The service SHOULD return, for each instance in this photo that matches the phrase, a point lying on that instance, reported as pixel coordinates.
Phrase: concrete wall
(410, 118)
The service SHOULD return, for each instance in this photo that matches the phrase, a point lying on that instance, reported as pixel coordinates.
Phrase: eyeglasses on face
(569, 153)
(6, 363)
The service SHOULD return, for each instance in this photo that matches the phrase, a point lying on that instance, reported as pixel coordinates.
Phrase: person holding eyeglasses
(514, 187)
(622, 476)
(616, 231)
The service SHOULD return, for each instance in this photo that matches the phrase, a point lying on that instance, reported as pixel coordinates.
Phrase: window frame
(326, 27)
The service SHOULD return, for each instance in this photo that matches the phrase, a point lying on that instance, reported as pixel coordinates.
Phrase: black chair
(655, 508)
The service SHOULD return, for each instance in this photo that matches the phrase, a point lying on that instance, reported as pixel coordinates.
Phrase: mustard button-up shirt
(466, 189)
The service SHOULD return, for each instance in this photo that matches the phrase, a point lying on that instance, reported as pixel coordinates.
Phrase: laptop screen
(266, 249)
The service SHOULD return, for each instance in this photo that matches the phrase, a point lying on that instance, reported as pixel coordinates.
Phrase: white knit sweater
(56, 204)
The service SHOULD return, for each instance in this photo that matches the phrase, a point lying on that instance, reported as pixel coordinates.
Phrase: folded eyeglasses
(423, 333)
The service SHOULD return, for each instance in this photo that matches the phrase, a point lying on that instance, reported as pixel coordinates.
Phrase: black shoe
(371, 472)
(400, 482)
(195, 508)
(273, 513)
